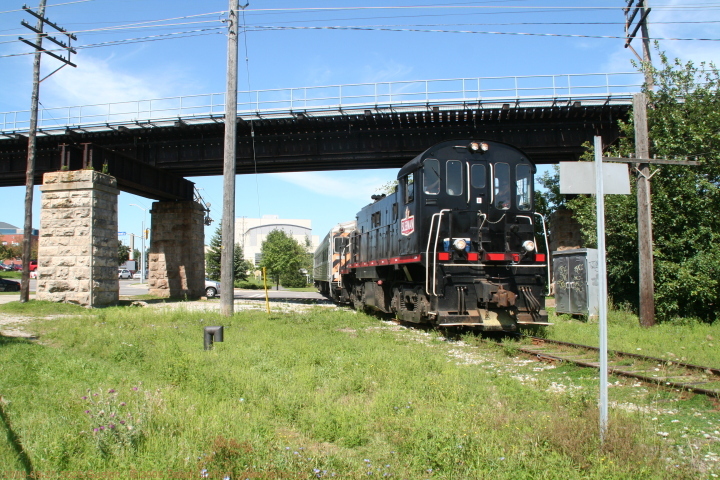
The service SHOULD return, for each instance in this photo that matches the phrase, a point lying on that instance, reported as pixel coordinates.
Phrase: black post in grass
(213, 334)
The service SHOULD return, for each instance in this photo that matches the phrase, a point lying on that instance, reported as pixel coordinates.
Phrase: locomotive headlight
(478, 147)
(459, 244)
(528, 245)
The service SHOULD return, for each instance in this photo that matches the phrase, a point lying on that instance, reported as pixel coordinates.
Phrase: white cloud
(348, 185)
(95, 81)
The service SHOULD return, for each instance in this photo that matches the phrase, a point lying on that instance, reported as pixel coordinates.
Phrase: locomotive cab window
(523, 181)
(409, 183)
(431, 177)
(501, 186)
(453, 178)
(341, 243)
(478, 175)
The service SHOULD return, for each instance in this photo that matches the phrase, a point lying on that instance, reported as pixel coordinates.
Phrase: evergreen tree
(213, 259)
(240, 265)
(213, 255)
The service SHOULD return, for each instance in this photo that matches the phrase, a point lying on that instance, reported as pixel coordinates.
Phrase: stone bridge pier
(177, 250)
(78, 247)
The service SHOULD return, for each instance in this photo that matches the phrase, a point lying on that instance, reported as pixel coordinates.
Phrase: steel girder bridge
(150, 146)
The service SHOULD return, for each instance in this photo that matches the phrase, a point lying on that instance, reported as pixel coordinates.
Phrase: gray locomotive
(454, 245)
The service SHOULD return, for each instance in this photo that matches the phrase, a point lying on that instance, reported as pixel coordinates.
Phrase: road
(132, 287)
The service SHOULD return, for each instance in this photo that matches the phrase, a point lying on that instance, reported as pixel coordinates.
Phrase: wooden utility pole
(32, 134)
(30, 172)
(642, 151)
(227, 271)
(644, 213)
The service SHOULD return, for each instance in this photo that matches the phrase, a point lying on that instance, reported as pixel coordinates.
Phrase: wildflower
(111, 426)
(112, 390)
(87, 411)
(204, 473)
(102, 427)
(95, 429)
(122, 404)
(84, 398)
(122, 422)
(135, 389)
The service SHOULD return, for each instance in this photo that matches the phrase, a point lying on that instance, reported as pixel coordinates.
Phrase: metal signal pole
(227, 273)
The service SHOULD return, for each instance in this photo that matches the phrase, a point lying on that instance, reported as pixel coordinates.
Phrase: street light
(142, 236)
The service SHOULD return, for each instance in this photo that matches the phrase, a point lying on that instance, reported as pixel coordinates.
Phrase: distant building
(250, 233)
(12, 236)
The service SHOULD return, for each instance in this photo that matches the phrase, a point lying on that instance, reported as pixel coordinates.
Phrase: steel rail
(663, 381)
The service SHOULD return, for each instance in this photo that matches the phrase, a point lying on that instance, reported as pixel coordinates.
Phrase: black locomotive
(454, 245)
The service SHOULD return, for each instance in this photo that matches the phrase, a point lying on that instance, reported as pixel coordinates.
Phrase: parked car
(137, 275)
(33, 274)
(33, 265)
(212, 288)
(9, 285)
(6, 267)
(124, 273)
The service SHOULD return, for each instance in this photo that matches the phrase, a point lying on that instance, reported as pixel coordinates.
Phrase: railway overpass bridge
(148, 147)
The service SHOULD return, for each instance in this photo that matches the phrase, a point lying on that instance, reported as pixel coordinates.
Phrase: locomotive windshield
(453, 180)
(477, 173)
(522, 188)
(431, 177)
(502, 186)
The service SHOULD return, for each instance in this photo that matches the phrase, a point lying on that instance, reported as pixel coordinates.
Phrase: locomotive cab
(455, 244)
(481, 258)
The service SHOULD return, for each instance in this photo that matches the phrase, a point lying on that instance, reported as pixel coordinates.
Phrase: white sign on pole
(599, 178)
(579, 177)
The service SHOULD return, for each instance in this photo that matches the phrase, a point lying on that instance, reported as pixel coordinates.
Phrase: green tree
(683, 121)
(283, 257)
(213, 259)
(123, 253)
(240, 265)
(213, 255)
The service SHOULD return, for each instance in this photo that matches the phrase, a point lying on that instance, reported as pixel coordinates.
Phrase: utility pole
(642, 150)
(227, 272)
(32, 134)
(644, 213)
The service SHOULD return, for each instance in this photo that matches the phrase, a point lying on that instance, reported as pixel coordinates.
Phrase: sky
(131, 50)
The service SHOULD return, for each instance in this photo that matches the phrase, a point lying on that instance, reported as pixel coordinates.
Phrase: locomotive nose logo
(407, 224)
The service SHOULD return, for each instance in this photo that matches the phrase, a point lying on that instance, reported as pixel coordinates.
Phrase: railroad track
(667, 373)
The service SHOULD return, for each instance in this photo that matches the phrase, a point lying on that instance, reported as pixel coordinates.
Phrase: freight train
(454, 245)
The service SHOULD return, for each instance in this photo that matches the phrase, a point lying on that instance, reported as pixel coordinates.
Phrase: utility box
(575, 274)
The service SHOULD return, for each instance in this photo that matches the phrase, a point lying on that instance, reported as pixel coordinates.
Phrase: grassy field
(683, 340)
(320, 393)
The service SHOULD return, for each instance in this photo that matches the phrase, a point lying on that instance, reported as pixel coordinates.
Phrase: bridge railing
(335, 97)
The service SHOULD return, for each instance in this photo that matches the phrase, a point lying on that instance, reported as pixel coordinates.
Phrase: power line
(151, 38)
(416, 30)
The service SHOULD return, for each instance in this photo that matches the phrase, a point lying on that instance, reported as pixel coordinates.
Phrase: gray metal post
(227, 278)
(602, 287)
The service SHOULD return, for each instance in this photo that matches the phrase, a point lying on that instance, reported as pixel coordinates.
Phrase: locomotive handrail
(547, 248)
(439, 215)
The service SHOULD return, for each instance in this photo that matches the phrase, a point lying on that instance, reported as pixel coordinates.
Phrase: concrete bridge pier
(177, 256)
(77, 251)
